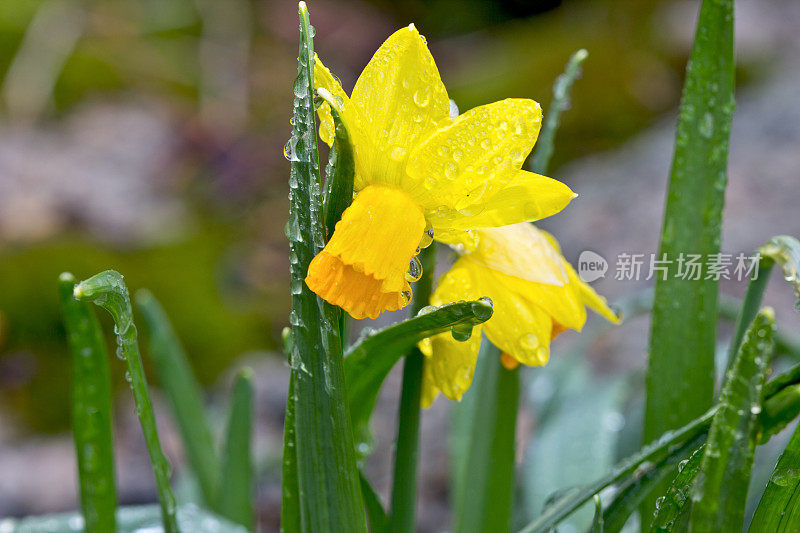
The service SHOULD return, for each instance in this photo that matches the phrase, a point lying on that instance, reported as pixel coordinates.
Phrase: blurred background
(146, 136)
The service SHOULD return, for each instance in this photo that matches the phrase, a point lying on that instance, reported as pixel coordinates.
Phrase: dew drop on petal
(414, 270)
(427, 236)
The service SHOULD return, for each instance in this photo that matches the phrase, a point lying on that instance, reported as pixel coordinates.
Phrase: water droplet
(427, 236)
(414, 270)
(427, 309)
(462, 332)
(529, 341)
(706, 126)
(422, 97)
(405, 297)
(289, 150)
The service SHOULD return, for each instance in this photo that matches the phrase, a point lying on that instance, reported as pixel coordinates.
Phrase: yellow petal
(324, 79)
(589, 296)
(400, 97)
(527, 197)
(473, 156)
(449, 366)
(518, 327)
(523, 251)
(362, 268)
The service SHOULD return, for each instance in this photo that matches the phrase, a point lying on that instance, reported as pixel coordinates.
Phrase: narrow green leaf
(778, 510)
(484, 502)
(779, 412)
(720, 494)
(598, 524)
(91, 410)
(129, 520)
(680, 375)
(370, 359)
(638, 464)
(561, 89)
(378, 519)
(290, 487)
(184, 393)
(340, 171)
(672, 509)
(634, 490)
(236, 489)
(107, 289)
(327, 476)
(784, 250)
(669, 443)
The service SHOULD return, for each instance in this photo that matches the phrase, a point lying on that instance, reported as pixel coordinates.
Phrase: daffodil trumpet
(536, 295)
(419, 174)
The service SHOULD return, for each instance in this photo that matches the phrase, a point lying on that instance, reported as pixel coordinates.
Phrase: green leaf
(290, 486)
(561, 89)
(91, 410)
(236, 489)
(778, 510)
(778, 412)
(634, 490)
(185, 395)
(720, 494)
(378, 519)
(680, 375)
(326, 464)
(370, 359)
(190, 518)
(672, 509)
(107, 289)
(340, 171)
(668, 445)
(485, 492)
(598, 524)
(785, 251)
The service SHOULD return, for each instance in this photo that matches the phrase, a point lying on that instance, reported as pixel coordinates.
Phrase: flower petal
(518, 327)
(475, 155)
(521, 250)
(589, 296)
(369, 252)
(324, 79)
(449, 365)
(400, 97)
(527, 197)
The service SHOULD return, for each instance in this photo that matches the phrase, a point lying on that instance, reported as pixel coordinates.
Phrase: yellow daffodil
(536, 295)
(420, 173)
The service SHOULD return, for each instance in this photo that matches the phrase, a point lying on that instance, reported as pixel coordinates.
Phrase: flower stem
(404, 488)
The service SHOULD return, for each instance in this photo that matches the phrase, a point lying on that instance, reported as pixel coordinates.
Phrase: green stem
(107, 289)
(404, 488)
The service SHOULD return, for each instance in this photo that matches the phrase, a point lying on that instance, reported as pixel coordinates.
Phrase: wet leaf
(91, 410)
(324, 453)
(720, 491)
(680, 375)
(370, 359)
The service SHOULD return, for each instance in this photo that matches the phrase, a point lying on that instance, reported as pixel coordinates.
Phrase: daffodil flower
(420, 173)
(536, 296)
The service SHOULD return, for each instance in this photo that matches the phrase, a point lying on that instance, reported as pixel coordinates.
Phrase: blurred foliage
(32, 377)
